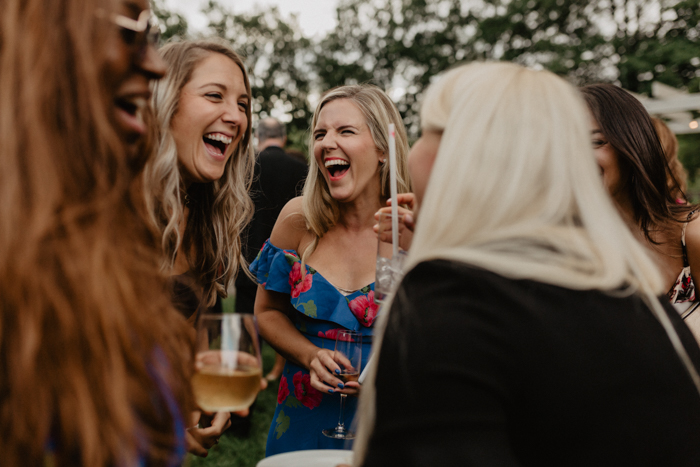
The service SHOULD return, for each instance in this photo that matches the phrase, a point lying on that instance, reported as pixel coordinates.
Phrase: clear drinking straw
(392, 184)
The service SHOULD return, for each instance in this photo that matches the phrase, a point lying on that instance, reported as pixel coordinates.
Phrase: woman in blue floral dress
(316, 273)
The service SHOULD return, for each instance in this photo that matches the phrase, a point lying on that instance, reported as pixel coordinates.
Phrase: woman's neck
(358, 214)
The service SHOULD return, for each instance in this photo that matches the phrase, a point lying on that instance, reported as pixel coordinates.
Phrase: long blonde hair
(94, 362)
(515, 190)
(319, 209)
(219, 210)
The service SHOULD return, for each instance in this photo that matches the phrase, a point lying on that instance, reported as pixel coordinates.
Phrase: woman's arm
(276, 328)
(271, 307)
(692, 245)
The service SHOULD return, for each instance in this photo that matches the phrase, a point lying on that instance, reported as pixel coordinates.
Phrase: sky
(316, 17)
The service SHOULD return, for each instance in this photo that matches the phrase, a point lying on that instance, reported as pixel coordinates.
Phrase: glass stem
(341, 420)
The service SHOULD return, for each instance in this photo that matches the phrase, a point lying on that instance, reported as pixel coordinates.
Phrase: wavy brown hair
(678, 183)
(89, 343)
(218, 211)
(644, 171)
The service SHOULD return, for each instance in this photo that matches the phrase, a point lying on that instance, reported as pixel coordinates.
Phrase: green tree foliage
(173, 25)
(402, 44)
(277, 56)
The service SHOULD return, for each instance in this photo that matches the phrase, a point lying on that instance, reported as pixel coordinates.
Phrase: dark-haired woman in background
(635, 173)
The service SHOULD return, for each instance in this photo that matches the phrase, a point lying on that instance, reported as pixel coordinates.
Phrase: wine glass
(228, 367)
(348, 356)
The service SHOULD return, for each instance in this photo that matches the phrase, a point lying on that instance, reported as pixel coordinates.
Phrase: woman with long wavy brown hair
(198, 180)
(94, 361)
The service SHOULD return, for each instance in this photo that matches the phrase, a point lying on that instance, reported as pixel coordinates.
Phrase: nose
(233, 115)
(329, 141)
(152, 65)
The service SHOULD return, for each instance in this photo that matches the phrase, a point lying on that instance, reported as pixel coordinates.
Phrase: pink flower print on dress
(308, 396)
(283, 390)
(364, 308)
(299, 284)
(333, 334)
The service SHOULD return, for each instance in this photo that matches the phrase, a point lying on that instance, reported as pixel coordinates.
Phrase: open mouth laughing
(336, 168)
(129, 113)
(217, 143)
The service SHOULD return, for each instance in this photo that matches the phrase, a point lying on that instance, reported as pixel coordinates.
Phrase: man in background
(278, 178)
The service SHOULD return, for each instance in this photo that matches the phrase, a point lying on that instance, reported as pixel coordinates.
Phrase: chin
(211, 175)
(341, 197)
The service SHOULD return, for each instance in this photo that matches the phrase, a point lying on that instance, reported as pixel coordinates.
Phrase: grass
(235, 449)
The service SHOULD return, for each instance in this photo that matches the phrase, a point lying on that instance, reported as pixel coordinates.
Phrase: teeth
(331, 162)
(219, 137)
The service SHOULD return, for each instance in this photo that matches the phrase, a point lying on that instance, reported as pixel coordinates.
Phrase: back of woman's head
(320, 208)
(677, 180)
(514, 187)
(628, 129)
(219, 210)
(81, 304)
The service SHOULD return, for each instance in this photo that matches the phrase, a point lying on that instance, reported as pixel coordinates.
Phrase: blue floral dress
(303, 412)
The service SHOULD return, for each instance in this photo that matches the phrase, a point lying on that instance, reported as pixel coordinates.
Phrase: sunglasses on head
(137, 33)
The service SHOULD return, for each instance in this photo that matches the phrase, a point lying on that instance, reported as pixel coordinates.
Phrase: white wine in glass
(227, 364)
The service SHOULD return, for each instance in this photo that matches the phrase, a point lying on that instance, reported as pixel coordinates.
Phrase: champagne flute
(348, 356)
(228, 366)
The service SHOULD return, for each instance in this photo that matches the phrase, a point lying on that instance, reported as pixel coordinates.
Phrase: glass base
(338, 433)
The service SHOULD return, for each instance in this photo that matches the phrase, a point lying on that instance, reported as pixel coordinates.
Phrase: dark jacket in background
(277, 179)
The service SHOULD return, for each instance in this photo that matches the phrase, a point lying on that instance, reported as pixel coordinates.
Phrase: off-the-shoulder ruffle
(271, 268)
(311, 294)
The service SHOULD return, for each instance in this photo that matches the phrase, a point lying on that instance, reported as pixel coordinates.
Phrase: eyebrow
(218, 85)
(223, 88)
(593, 132)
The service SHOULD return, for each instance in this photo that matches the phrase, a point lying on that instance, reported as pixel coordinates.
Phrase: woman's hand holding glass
(348, 358)
(227, 374)
(324, 370)
(200, 440)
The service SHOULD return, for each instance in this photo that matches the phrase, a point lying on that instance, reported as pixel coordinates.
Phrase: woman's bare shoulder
(290, 227)
(692, 239)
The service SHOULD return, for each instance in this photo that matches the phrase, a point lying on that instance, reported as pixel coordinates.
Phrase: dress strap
(685, 250)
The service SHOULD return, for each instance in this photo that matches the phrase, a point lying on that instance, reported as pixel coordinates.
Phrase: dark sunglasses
(139, 34)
